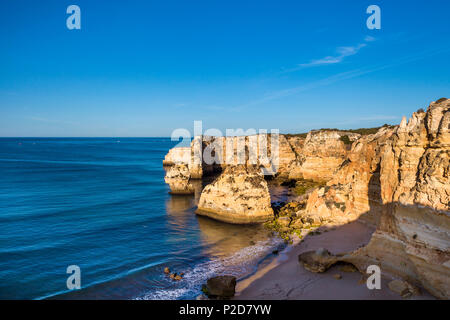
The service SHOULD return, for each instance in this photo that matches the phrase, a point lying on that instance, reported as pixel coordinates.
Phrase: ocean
(102, 204)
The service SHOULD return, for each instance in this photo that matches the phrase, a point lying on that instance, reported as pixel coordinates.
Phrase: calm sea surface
(102, 204)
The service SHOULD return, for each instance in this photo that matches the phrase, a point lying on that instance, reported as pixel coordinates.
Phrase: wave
(241, 264)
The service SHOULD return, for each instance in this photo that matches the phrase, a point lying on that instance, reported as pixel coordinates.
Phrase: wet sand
(285, 279)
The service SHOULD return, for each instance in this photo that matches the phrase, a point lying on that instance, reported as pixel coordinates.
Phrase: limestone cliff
(177, 155)
(399, 178)
(179, 179)
(239, 195)
(355, 188)
(315, 157)
(189, 156)
(322, 153)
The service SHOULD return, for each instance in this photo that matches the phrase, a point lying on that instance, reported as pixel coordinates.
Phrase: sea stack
(239, 195)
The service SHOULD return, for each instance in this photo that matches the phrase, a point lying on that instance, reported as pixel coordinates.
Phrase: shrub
(345, 139)
(303, 185)
(300, 135)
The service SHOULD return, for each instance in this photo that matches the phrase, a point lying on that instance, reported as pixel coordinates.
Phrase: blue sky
(145, 68)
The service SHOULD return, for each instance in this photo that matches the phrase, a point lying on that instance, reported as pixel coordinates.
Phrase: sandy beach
(284, 278)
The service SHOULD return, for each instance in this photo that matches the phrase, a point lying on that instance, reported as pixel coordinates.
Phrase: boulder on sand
(221, 286)
(317, 261)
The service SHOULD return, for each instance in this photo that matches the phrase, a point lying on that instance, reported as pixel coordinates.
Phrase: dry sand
(285, 279)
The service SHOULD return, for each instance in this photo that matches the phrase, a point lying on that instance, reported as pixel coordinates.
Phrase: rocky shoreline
(284, 278)
(396, 179)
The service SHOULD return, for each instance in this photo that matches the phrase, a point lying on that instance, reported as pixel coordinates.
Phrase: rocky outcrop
(179, 179)
(403, 288)
(355, 188)
(288, 156)
(177, 155)
(399, 179)
(413, 237)
(317, 261)
(189, 156)
(239, 195)
(322, 153)
(315, 157)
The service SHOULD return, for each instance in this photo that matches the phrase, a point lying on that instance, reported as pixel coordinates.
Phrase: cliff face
(399, 179)
(189, 156)
(177, 155)
(413, 237)
(315, 157)
(419, 154)
(321, 155)
(239, 195)
(355, 188)
(178, 179)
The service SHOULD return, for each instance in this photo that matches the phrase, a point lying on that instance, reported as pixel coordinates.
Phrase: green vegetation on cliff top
(361, 131)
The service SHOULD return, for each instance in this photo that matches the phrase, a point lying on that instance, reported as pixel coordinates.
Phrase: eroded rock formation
(179, 179)
(315, 157)
(322, 153)
(355, 188)
(239, 195)
(400, 179)
(189, 156)
(317, 261)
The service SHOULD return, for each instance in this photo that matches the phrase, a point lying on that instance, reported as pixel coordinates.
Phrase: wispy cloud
(343, 76)
(341, 53)
(369, 39)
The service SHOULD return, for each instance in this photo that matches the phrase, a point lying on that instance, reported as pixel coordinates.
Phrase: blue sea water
(102, 204)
